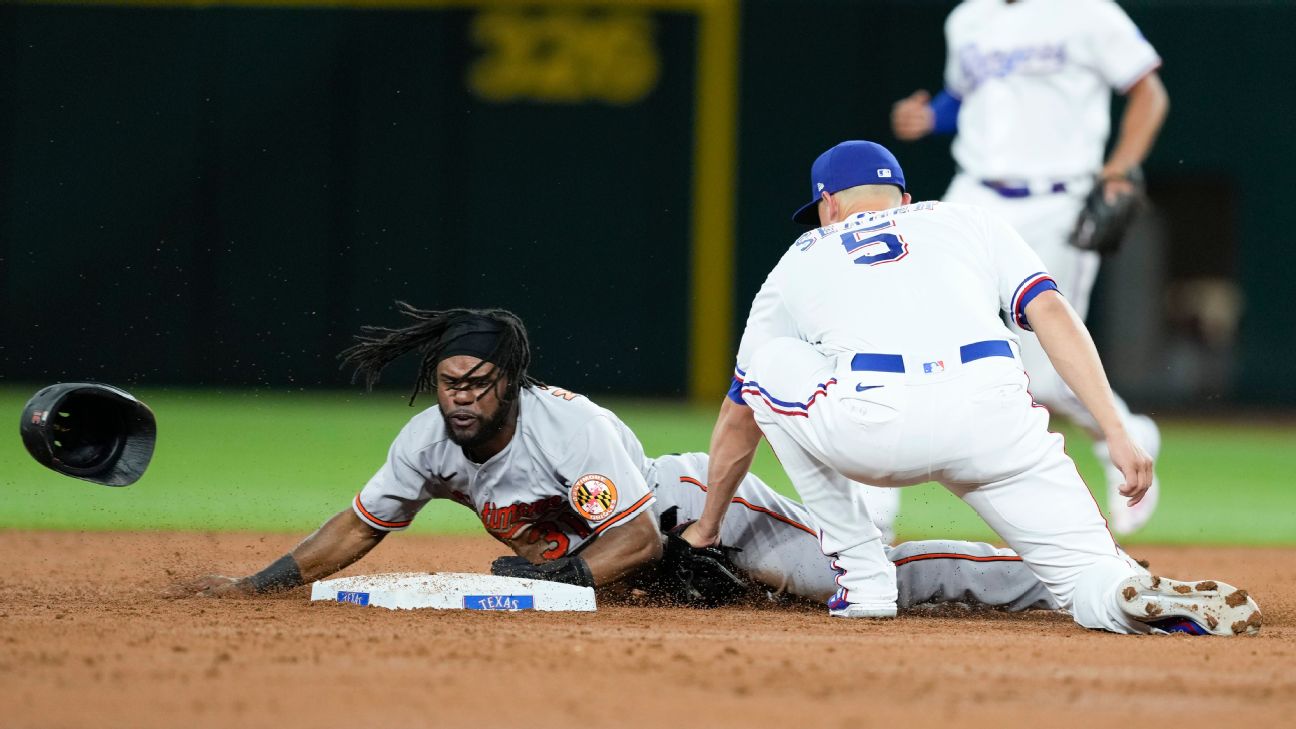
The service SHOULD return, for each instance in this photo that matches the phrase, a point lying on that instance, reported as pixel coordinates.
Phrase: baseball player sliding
(566, 486)
(875, 353)
(1028, 91)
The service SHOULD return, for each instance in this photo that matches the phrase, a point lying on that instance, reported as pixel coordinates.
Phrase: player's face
(471, 401)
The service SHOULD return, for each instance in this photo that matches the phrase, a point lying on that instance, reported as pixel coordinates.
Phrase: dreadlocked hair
(377, 347)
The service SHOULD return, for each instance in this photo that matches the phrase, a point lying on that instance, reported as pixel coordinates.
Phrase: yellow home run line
(711, 284)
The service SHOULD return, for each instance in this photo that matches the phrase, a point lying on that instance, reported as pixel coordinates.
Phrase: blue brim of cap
(807, 214)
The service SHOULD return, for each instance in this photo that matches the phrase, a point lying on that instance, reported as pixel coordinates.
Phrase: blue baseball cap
(850, 163)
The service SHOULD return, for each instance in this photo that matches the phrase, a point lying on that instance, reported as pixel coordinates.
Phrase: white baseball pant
(972, 427)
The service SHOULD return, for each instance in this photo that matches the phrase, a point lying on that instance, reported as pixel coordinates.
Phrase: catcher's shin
(1102, 224)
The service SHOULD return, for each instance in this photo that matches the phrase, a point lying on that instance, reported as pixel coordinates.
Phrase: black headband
(473, 335)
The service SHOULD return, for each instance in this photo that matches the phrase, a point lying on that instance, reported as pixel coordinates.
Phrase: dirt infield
(87, 640)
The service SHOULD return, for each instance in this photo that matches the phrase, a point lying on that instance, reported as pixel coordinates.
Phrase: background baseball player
(1028, 90)
(874, 353)
(565, 484)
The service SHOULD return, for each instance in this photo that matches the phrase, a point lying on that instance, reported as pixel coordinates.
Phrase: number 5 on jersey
(875, 249)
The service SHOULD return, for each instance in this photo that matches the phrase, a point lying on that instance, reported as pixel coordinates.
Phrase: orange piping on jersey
(376, 520)
(949, 555)
(623, 514)
(760, 509)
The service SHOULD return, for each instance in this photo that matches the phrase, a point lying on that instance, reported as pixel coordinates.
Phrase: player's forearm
(1145, 111)
(1073, 354)
(341, 541)
(733, 447)
(620, 551)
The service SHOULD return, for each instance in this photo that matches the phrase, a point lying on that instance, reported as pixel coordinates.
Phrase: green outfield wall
(221, 193)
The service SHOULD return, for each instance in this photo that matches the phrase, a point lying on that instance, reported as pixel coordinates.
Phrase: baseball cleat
(840, 607)
(1205, 607)
(1126, 520)
(864, 611)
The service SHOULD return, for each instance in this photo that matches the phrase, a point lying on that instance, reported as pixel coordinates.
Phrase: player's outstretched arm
(1071, 350)
(733, 446)
(340, 542)
(1145, 110)
(615, 554)
(619, 552)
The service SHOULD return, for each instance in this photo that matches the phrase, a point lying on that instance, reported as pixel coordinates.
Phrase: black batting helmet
(90, 431)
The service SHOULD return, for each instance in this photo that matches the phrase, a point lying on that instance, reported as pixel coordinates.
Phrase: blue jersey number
(876, 249)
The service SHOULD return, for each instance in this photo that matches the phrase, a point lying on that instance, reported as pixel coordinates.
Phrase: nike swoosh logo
(862, 388)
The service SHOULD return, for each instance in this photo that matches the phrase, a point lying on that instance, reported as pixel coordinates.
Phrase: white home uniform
(1034, 79)
(874, 352)
(574, 470)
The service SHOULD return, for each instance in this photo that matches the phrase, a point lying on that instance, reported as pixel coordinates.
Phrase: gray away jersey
(571, 471)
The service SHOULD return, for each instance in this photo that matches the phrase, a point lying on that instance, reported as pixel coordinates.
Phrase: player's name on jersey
(862, 219)
(502, 518)
(979, 64)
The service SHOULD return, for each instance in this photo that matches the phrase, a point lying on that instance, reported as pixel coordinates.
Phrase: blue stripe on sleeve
(735, 392)
(1036, 289)
(945, 107)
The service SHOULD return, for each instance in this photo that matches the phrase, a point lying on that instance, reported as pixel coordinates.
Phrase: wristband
(945, 111)
(282, 574)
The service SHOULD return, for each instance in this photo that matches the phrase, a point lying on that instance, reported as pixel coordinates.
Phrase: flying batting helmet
(90, 431)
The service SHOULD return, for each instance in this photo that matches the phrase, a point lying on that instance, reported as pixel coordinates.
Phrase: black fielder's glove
(571, 570)
(699, 577)
(1102, 223)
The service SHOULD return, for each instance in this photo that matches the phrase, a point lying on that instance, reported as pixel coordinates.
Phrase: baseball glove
(93, 432)
(1102, 224)
(705, 577)
(571, 570)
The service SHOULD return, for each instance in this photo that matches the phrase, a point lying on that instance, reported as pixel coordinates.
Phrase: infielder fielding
(875, 353)
(1028, 91)
(566, 486)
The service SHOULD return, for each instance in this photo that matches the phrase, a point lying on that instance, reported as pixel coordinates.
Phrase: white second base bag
(453, 591)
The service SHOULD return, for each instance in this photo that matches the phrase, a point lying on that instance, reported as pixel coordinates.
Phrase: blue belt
(873, 362)
(1011, 188)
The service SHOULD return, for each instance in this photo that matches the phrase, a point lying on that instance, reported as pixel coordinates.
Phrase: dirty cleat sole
(1171, 606)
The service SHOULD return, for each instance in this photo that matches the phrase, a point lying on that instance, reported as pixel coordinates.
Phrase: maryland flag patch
(594, 497)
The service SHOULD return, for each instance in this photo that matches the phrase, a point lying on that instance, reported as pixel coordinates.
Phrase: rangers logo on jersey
(594, 496)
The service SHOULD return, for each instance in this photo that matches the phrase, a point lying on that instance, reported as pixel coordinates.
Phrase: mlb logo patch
(931, 368)
(884, 172)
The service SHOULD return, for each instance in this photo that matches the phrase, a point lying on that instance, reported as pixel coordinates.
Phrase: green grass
(285, 461)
